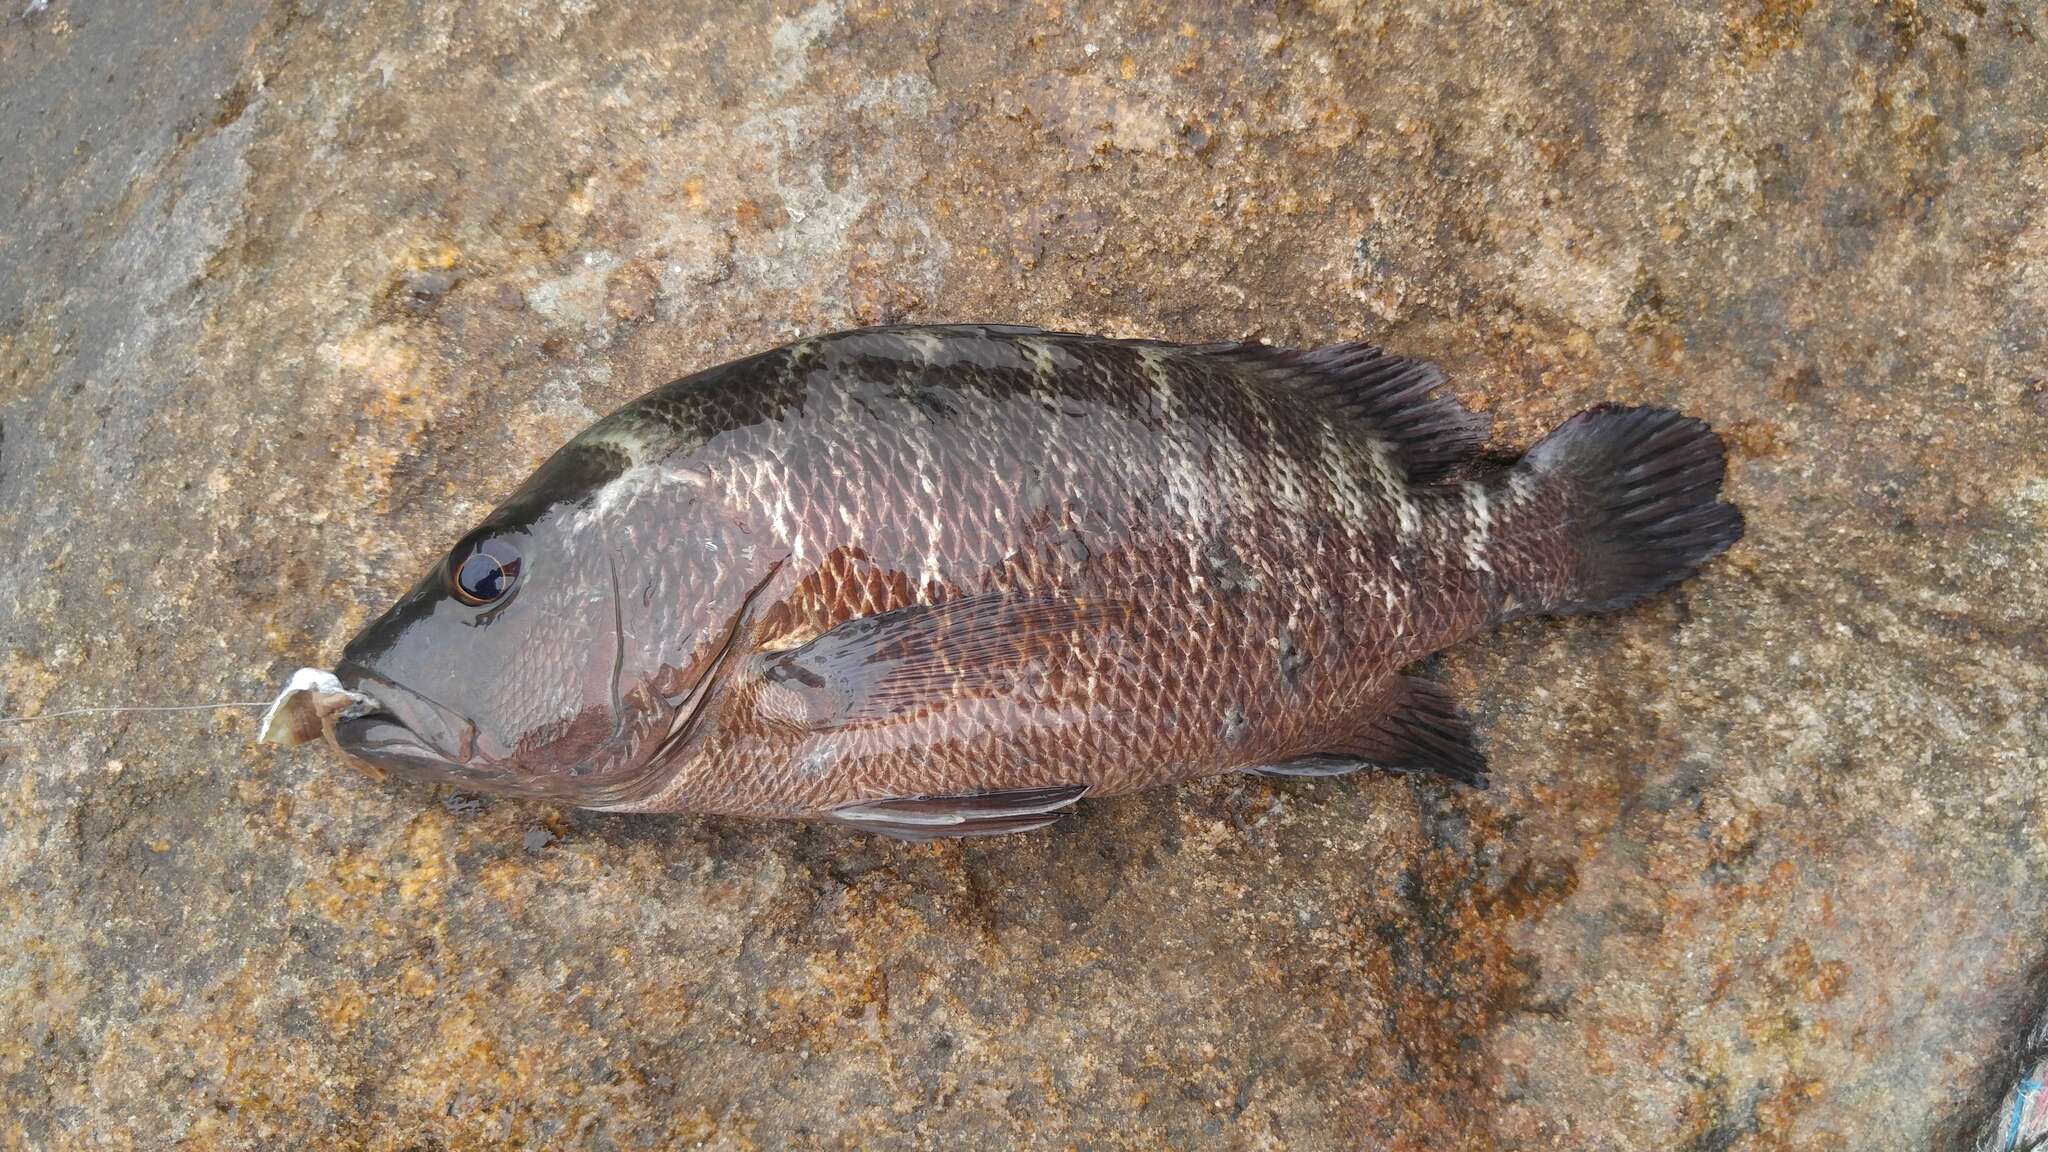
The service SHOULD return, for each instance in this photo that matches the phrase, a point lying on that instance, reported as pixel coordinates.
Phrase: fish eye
(485, 572)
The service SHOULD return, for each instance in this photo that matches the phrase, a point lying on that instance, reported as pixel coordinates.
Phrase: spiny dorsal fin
(1395, 398)
(972, 814)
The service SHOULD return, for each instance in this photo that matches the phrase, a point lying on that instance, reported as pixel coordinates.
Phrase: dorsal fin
(1395, 398)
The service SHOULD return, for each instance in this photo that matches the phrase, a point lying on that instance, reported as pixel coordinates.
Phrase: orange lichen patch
(694, 1128)
(419, 981)
(1780, 1111)
(46, 990)
(28, 682)
(347, 891)
(428, 851)
(1765, 28)
(631, 291)
(1810, 980)
(342, 1008)
(1756, 439)
(507, 881)
(467, 1055)
(756, 216)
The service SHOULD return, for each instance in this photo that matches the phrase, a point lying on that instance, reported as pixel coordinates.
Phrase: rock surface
(287, 292)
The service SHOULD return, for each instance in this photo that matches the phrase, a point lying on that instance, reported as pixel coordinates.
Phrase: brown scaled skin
(945, 580)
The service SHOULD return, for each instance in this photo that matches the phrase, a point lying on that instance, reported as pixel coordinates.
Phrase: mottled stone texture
(289, 293)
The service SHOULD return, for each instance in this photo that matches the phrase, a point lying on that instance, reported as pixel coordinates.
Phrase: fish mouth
(403, 731)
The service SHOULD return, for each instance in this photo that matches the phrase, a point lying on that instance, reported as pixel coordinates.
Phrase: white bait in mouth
(311, 698)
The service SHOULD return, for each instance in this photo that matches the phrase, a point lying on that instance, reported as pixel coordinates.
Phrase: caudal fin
(1620, 503)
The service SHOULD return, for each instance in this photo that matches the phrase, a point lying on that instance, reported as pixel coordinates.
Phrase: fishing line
(106, 708)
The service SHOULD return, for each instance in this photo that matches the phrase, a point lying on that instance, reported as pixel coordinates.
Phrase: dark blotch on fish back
(571, 476)
(1087, 374)
(677, 418)
(926, 386)
(728, 398)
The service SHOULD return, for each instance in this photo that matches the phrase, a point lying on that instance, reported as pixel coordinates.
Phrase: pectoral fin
(894, 664)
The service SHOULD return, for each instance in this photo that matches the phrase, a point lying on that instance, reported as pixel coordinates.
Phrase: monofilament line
(105, 708)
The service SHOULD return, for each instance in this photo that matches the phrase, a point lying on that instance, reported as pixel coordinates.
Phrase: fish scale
(990, 745)
(946, 580)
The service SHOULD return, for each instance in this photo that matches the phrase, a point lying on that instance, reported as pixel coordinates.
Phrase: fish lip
(386, 742)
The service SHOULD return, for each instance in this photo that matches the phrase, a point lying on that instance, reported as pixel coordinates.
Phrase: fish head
(551, 652)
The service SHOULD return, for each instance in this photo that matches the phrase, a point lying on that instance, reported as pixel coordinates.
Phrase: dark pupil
(482, 577)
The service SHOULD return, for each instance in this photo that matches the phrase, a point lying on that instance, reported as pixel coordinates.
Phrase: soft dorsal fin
(1395, 398)
(1419, 729)
(972, 814)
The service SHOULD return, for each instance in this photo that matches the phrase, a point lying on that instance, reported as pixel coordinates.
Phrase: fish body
(947, 580)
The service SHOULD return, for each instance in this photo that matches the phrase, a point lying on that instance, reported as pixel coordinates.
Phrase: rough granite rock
(289, 291)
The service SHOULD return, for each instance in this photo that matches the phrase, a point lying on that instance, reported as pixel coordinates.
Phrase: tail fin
(1621, 503)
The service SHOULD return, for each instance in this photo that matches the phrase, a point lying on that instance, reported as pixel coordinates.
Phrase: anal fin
(1423, 730)
(1419, 728)
(971, 814)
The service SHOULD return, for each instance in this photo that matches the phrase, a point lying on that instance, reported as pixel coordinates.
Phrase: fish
(934, 581)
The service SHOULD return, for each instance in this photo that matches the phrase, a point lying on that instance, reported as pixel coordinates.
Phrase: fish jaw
(315, 703)
(395, 729)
